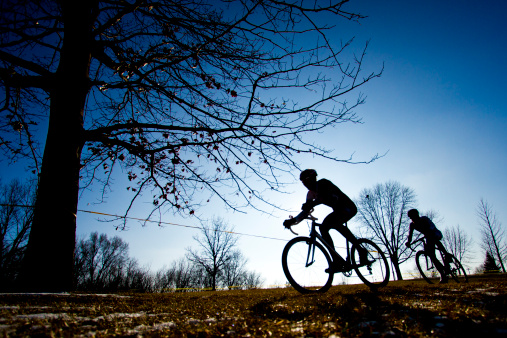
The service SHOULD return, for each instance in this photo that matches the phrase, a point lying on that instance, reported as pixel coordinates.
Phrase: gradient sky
(438, 112)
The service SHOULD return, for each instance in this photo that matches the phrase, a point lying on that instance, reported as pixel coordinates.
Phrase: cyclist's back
(425, 226)
(329, 194)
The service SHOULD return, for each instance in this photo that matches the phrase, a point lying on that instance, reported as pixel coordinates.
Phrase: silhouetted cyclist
(433, 236)
(325, 192)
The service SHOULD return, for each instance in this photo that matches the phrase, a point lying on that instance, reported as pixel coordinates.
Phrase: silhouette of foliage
(191, 99)
(15, 222)
(489, 265)
(494, 240)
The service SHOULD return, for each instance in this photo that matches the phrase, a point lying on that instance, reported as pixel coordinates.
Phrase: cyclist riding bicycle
(433, 236)
(325, 192)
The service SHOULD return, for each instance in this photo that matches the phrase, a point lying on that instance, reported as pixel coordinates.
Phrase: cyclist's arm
(410, 234)
(301, 216)
(310, 203)
(291, 221)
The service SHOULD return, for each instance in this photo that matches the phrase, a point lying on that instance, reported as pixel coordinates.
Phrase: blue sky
(439, 111)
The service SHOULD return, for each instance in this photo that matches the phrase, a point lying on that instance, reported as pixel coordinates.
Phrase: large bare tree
(185, 97)
(493, 234)
(383, 214)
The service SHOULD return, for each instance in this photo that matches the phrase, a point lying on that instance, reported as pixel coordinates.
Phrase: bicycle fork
(310, 257)
(430, 265)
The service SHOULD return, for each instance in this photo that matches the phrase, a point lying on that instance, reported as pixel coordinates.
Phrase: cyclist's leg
(328, 224)
(447, 257)
(430, 249)
(336, 220)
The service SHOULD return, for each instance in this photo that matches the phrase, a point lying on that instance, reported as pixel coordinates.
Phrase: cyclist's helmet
(413, 213)
(308, 173)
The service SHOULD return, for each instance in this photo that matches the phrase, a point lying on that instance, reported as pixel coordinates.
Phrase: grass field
(401, 309)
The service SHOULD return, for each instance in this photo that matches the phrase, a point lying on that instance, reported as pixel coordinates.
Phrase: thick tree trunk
(49, 258)
(396, 266)
(48, 263)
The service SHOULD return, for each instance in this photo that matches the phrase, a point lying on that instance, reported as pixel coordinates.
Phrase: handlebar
(302, 215)
(290, 228)
(421, 239)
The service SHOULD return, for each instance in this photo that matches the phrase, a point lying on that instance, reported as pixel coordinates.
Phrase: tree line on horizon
(102, 263)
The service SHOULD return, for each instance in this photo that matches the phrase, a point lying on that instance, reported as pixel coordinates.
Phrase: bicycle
(308, 266)
(426, 266)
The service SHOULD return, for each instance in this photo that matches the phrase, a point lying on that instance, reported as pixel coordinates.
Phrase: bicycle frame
(314, 235)
(314, 273)
(439, 248)
(423, 242)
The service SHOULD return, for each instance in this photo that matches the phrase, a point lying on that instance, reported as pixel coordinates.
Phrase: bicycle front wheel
(305, 264)
(425, 266)
(456, 270)
(375, 272)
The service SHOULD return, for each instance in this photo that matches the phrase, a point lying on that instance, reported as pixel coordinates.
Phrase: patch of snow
(15, 307)
(66, 294)
(63, 316)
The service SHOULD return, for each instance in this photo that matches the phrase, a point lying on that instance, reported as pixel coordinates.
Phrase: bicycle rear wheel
(376, 273)
(425, 266)
(456, 270)
(305, 265)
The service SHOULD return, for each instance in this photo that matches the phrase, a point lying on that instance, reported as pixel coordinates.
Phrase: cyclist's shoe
(363, 258)
(444, 280)
(365, 261)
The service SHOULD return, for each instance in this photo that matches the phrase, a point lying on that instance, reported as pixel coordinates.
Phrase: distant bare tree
(235, 274)
(163, 280)
(101, 263)
(15, 222)
(383, 214)
(216, 250)
(457, 242)
(253, 280)
(493, 234)
(181, 276)
(136, 277)
(234, 270)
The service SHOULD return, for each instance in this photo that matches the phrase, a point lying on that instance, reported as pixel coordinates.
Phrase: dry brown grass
(406, 308)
